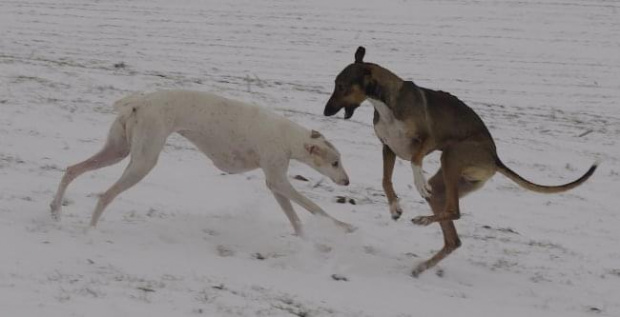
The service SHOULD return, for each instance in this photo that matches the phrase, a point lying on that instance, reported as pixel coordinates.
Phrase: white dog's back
(233, 134)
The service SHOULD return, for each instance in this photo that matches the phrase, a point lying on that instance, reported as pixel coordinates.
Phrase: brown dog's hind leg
(447, 201)
(451, 239)
(465, 167)
(439, 206)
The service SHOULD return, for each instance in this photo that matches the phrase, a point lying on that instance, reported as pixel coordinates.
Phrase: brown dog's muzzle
(332, 108)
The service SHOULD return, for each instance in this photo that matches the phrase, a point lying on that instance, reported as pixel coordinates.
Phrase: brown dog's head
(351, 86)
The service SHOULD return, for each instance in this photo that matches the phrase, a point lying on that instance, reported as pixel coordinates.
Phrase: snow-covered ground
(189, 240)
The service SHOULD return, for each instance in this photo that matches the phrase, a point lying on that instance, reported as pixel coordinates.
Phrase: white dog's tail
(123, 125)
(126, 103)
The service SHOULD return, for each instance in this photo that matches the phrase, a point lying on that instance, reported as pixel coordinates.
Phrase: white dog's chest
(231, 156)
(392, 132)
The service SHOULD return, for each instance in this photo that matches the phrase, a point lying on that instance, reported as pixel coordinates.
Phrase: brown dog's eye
(339, 87)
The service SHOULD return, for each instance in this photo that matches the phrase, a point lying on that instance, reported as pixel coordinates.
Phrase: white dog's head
(325, 158)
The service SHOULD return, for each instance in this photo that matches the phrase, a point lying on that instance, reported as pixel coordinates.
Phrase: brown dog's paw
(418, 270)
(395, 210)
(422, 220)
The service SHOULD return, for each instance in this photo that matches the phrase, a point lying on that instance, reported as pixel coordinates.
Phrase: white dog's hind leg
(147, 143)
(286, 205)
(115, 150)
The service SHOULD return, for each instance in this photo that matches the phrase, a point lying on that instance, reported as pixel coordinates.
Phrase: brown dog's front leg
(419, 149)
(389, 159)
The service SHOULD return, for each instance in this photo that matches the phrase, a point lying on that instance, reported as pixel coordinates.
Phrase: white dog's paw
(348, 228)
(423, 187)
(395, 210)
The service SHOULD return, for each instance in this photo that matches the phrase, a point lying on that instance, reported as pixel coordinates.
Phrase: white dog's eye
(335, 164)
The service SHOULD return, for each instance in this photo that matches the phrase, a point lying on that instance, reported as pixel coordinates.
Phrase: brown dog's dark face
(350, 89)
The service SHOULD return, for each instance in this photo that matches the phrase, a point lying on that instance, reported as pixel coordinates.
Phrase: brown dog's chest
(396, 134)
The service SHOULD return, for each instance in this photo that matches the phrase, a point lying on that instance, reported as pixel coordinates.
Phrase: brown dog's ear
(315, 134)
(359, 54)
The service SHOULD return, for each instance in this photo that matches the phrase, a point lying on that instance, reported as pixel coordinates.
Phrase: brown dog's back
(453, 120)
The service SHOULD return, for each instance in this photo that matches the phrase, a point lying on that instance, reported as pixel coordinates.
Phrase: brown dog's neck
(384, 85)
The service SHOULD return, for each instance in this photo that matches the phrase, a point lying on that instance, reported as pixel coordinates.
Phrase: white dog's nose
(345, 182)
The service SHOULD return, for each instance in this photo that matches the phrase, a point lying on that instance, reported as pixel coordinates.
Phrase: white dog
(237, 137)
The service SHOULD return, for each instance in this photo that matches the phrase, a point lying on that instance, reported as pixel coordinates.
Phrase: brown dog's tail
(542, 188)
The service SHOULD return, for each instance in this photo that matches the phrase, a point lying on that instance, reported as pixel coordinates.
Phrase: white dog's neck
(297, 139)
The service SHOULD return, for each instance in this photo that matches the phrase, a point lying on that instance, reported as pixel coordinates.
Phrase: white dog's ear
(312, 149)
(315, 134)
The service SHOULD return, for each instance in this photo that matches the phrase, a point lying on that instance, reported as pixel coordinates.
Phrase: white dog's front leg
(420, 181)
(286, 205)
(282, 186)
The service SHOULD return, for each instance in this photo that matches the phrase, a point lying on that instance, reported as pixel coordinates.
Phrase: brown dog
(413, 121)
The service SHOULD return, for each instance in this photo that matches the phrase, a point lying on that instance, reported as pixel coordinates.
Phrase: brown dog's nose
(329, 109)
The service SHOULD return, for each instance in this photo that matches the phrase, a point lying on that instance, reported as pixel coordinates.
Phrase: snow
(189, 240)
